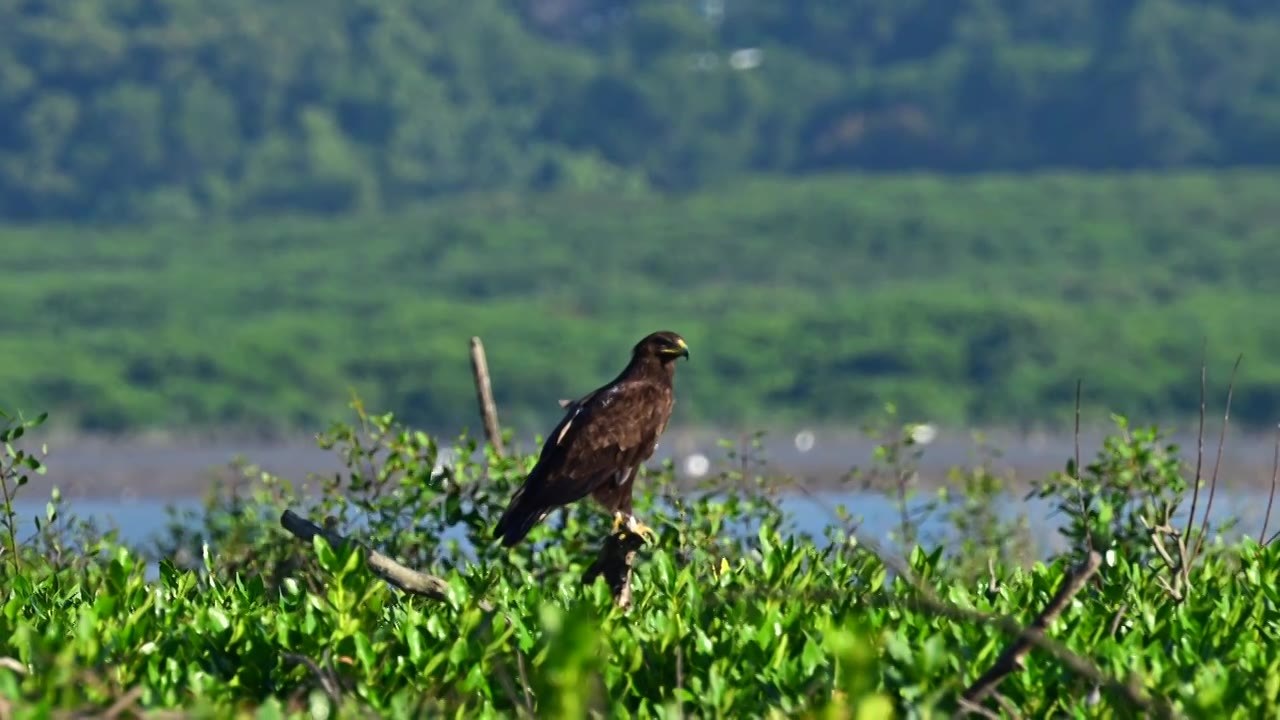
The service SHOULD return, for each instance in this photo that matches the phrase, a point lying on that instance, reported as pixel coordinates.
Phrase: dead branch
(326, 676)
(484, 395)
(976, 709)
(1131, 692)
(1198, 545)
(1195, 487)
(1006, 705)
(614, 562)
(1181, 569)
(1275, 475)
(1095, 695)
(1013, 657)
(406, 579)
(1116, 619)
(1084, 502)
(125, 703)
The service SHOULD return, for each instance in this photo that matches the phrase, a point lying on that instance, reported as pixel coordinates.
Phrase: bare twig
(406, 579)
(1084, 503)
(975, 708)
(509, 687)
(10, 517)
(123, 703)
(1116, 620)
(13, 664)
(1213, 481)
(1096, 693)
(525, 690)
(1006, 705)
(1195, 491)
(328, 678)
(1275, 475)
(522, 703)
(1013, 657)
(1181, 577)
(614, 562)
(484, 394)
(679, 681)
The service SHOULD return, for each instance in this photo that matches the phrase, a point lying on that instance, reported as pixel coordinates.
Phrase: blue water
(139, 520)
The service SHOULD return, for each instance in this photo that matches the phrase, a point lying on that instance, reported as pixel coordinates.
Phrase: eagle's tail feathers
(518, 521)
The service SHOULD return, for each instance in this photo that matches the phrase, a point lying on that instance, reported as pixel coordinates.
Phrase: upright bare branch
(1275, 475)
(1195, 487)
(484, 396)
(1217, 462)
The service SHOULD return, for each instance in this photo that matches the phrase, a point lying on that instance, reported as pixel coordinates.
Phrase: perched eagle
(600, 444)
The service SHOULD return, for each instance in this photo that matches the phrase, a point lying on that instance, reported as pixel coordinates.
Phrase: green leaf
(324, 553)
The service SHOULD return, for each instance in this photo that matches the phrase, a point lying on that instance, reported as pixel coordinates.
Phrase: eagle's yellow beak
(680, 350)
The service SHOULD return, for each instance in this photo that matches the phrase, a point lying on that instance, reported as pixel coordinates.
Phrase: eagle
(598, 446)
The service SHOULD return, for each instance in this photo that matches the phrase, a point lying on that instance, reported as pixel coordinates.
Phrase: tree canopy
(171, 109)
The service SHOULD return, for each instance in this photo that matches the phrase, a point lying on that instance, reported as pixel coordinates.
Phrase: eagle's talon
(639, 528)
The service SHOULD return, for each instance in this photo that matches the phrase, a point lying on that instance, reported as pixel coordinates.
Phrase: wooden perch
(484, 395)
(1013, 658)
(614, 562)
(406, 579)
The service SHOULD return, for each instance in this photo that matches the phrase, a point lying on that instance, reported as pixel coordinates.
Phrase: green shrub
(226, 614)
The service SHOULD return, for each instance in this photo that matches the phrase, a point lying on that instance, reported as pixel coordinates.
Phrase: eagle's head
(664, 345)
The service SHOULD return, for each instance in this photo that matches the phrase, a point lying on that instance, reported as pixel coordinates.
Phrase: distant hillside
(973, 299)
(182, 109)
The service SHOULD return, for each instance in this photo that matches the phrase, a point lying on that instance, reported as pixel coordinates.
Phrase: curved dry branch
(407, 579)
(613, 561)
(1013, 658)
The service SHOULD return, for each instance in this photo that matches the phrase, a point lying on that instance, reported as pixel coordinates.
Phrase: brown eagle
(601, 442)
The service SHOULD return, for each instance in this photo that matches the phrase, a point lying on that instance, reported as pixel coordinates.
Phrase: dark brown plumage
(601, 442)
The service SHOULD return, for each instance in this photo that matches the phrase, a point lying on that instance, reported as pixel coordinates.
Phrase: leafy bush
(731, 616)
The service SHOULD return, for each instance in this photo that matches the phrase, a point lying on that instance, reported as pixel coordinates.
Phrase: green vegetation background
(225, 214)
(958, 299)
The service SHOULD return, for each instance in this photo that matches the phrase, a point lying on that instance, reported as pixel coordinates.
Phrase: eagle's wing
(602, 436)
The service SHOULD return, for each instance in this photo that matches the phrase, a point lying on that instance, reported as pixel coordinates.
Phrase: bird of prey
(599, 445)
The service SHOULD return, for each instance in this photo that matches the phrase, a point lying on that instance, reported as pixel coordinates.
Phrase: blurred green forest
(225, 213)
(181, 109)
(965, 299)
